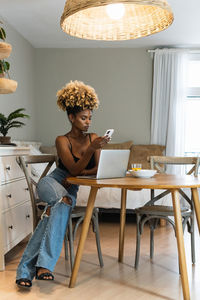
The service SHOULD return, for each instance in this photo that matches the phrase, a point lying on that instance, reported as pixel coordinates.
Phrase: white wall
(122, 79)
(22, 65)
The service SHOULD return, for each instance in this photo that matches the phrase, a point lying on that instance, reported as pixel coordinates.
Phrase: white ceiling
(38, 21)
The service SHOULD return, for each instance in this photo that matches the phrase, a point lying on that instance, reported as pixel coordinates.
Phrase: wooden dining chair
(152, 212)
(77, 214)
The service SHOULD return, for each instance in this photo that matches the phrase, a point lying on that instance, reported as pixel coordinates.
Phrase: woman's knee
(49, 190)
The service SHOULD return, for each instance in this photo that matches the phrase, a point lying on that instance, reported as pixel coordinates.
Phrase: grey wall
(22, 65)
(122, 79)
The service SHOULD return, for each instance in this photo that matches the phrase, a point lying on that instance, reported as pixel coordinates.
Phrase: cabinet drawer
(17, 225)
(13, 193)
(9, 168)
(28, 217)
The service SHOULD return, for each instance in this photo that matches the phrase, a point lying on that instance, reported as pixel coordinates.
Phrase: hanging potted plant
(6, 123)
(7, 85)
(4, 67)
(5, 48)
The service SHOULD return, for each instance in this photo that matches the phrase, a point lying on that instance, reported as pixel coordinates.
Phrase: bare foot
(24, 282)
(41, 271)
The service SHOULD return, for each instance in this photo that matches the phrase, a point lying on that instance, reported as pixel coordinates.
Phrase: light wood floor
(153, 280)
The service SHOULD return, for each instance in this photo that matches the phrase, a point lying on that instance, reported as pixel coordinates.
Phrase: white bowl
(143, 173)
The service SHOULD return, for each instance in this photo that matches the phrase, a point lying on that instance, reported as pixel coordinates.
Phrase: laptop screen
(113, 163)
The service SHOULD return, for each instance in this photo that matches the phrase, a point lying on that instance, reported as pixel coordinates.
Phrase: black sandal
(46, 274)
(25, 280)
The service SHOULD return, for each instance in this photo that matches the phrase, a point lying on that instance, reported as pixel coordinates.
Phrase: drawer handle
(26, 189)
(8, 168)
(10, 227)
(27, 216)
(9, 196)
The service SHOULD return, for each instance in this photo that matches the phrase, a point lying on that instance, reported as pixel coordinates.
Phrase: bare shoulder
(61, 140)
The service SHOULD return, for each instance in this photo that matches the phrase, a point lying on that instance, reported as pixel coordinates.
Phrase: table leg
(84, 232)
(180, 244)
(122, 225)
(196, 205)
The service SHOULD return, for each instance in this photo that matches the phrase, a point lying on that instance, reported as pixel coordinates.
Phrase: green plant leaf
(2, 34)
(3, 130)
(2, 117)
(17, 111)
(14, 126)
(17, 114)
(8, 122)
(7, 64)
(3, 120)
(15, 123)
(4, 66)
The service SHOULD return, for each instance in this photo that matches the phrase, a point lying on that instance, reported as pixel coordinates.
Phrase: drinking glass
(136, 167)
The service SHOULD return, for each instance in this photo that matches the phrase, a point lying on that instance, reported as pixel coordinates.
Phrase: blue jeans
(45, 245)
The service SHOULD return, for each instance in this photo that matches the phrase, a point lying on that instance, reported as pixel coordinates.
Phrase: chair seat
(79, 211)
(38, 207)
(151, 213)
(161, 210)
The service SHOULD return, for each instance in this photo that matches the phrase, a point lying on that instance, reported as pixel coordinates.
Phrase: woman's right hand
(99, 142)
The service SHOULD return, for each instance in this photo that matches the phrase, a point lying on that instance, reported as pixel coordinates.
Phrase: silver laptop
(112, 164)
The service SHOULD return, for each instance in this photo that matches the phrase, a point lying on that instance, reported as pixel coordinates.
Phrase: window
(192, 107)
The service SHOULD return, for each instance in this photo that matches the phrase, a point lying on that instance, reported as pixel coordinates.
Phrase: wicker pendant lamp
(98, 19)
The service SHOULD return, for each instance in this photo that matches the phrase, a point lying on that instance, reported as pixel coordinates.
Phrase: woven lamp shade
(88, 19)
(7, 86)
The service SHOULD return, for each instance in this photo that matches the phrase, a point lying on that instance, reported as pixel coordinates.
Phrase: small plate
(143, 173)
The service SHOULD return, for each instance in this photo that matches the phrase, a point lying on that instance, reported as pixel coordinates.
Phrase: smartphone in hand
(109, 132)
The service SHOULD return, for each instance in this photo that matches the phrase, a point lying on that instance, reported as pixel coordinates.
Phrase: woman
(78, 153)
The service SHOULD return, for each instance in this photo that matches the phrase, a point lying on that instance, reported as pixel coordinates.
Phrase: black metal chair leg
(137, 254)
(97, 236)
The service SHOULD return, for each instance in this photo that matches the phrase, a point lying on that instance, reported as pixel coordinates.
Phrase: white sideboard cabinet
(15, 205)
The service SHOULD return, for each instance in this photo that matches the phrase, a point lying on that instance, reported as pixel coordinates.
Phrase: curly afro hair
(76, 96)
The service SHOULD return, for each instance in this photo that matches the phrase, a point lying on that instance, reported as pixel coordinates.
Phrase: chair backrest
(24, 162)
(159, 163)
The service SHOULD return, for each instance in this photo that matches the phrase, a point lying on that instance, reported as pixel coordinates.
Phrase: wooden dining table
(173, 183)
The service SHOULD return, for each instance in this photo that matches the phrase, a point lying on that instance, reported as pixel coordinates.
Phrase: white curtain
(167, 123)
